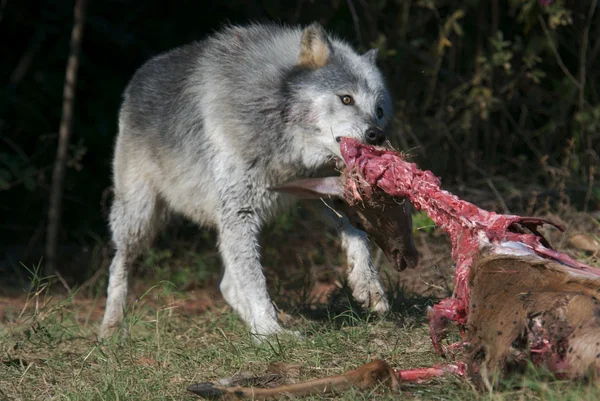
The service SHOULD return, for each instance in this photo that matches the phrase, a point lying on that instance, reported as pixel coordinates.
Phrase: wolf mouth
(339, 163)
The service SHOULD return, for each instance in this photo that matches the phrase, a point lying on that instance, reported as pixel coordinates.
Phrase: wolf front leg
(244, 286)
(363, 277)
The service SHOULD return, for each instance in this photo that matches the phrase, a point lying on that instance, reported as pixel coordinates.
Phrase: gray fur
(207, 128)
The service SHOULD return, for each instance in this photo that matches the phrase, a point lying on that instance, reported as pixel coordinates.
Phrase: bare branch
(64, 133)
(356, 22)
(562, 65)
(586, 138)
(583, 51)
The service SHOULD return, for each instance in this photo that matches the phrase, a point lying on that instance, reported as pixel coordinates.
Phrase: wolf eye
(379, 112)
(347, 100)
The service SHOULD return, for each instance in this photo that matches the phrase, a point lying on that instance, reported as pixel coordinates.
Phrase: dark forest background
(498, 95)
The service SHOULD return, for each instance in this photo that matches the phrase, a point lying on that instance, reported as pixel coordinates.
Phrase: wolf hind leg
(363, 277)
(135, 218)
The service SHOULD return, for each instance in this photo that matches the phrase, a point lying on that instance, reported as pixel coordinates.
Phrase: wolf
(206, 129)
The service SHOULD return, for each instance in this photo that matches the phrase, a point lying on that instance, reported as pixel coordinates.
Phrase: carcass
(515, 301)
(515, 298)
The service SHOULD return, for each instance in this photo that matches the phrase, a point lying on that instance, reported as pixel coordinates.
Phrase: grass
(187, 334)
(51, 352)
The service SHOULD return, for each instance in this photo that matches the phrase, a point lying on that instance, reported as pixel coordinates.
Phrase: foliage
(483, 88)
(422, 222)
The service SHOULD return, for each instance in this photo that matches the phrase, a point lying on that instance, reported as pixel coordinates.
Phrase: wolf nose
(374, 136)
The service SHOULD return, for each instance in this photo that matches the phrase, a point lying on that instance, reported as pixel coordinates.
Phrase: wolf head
(334, 92)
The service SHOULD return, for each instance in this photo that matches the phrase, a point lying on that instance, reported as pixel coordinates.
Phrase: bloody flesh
(470, 228)
(421, 374)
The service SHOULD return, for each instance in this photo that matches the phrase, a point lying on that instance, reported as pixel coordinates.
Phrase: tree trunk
(64, 133)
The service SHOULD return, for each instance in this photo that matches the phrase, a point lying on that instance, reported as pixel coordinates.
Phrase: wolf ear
(371, 55)
(315, 47)
(313, 188)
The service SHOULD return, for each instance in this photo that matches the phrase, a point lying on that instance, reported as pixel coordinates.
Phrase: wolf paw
(259, 339)
(372, 296)
(380, 306)
(107, 331)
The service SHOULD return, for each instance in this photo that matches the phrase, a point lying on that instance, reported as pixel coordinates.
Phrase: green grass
(51, 352)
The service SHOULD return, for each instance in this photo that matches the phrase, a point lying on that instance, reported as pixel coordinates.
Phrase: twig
(437, 287)
(356, 22)
(332, 209)
(498, 196)
(593, 54)
(58, 175)
(588, 193)
(371, 21)
(583, 51)
(25, 372)
(22, 179)
(556, 55)
(458, 149)
(63, 281)
(16, 148)
(405, 15)
(27, 58)
(586, 140)
(92, 280)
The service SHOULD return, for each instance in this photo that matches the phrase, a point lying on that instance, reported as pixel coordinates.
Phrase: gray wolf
(207, 128)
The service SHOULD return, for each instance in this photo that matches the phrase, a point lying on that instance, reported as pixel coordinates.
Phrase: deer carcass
(516, 300)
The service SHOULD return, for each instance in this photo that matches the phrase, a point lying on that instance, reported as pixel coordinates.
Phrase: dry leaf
(289, 373)
(585, 242)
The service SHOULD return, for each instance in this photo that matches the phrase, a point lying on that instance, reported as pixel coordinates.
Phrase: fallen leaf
(146, 362)
(289, 373)
(585, 242)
